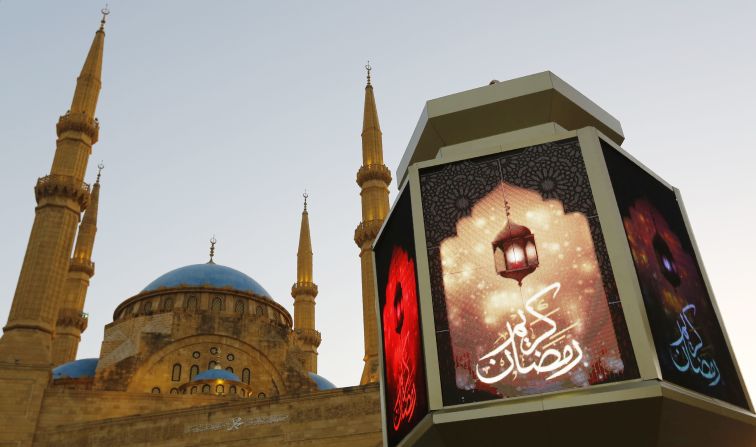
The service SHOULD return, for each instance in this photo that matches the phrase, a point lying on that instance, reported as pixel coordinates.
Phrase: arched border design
(238, 345)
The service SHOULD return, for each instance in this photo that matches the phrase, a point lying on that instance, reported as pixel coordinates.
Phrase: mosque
(202, 355)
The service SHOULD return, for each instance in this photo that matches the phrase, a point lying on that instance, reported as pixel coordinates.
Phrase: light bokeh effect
(215, 116)
(482, 306)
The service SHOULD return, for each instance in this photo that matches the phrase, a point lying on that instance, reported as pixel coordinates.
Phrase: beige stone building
(202, 355)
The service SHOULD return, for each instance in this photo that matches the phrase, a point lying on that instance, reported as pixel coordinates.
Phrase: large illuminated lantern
(603, 313)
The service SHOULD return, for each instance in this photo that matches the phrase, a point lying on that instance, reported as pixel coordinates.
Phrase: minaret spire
(72, 320)
(61, 197)
(373, 177)
(304, 253)
(304, 292)
(89, 82)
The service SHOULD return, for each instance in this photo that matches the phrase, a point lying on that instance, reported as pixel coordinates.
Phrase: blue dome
(321, 382)
(78, 369)
(212, 275)
(214, 374)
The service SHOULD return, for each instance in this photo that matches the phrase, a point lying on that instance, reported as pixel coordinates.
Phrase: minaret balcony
(72, 318)
(367, 231)
(308, 336)
(373, 172)
(82, 265)
(304, 288)
(62, 185)
(79, 122)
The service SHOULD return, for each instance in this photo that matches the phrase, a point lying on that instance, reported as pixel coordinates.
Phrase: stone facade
(340, 417)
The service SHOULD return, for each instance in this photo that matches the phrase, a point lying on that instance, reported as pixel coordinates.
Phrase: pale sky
(216, 115)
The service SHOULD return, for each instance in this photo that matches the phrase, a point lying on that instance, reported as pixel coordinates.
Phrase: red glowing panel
(401, 333)
(405, 394)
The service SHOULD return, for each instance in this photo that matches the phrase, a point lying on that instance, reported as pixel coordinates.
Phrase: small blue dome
(321, 382)
(78, 369)
(213, 374)
(212, 275)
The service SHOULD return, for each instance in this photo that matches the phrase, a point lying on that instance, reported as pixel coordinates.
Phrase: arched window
(217, 304)
(191, 302)
(211, 364)
(168, 304)
(232, 389)
(261, 396)
(174, 391)
(176, 373)
(239, 307)
(259, 310)
(193, 371)
(205, 388)
(147, 307)
(230, 369)
(194, 390)
(156, 390)
(219, 389)
(245, 375)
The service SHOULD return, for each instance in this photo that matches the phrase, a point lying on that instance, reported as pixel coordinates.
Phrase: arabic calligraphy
(686, 350)
(406, 395)
(522, 352)
(236, 423)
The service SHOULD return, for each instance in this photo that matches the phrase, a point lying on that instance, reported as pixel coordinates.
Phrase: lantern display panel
(524, 298)
(688, 337)
(404, 385)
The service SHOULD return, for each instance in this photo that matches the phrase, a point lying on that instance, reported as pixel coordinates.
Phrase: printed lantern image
(514, 250)
(666, 260)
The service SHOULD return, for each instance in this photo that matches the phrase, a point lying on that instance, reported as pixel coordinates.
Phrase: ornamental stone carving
(62, 185)
(367, 231)
(373, 172)
(79, 122)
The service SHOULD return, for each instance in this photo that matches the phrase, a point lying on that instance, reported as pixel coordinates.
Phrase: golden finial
(305, 195)
(368, 68)
(105, 11)
(212, 249)
(100, 167)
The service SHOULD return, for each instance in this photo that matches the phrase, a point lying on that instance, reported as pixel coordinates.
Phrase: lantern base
(638, 413)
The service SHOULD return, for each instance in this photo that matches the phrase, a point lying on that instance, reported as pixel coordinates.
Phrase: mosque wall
(340, 417)
(22, 391)
(65, 407)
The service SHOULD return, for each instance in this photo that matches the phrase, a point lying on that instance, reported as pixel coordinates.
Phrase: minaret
(304, 292)
(61, 197)
(72, 320)
(373, 177)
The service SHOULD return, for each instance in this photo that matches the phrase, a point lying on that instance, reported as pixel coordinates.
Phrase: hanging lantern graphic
(665, 259)
(514, 250)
